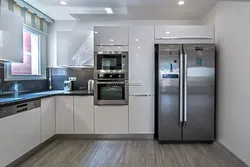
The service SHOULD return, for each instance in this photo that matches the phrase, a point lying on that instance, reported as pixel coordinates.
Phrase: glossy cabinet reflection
(111, 35)
(75, 48)
(141, 60)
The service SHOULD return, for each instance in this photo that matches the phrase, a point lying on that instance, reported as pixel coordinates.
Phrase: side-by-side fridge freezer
(185, 92)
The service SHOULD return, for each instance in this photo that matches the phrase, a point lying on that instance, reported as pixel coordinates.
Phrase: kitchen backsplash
(7, 87)
(59, 75)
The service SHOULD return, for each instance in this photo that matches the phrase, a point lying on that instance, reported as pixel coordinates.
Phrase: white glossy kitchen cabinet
(141, 114)
(111, 35)
(75, 48)
(184, 32)
(64, 115)
(11, 36)
(141, 60)
(19, 134)
(48, 118)
(111, 119)
(84, 114)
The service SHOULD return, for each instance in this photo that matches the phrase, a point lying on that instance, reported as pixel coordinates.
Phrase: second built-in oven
(111, 89)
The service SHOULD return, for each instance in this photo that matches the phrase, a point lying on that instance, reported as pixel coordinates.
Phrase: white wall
(89, 25)
(232, 28)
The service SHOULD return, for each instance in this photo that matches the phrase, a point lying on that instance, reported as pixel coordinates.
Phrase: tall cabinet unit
(111, 119)
(64, 115)
(141, 79)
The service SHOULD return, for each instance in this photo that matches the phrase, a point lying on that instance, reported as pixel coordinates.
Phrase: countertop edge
(42, 96)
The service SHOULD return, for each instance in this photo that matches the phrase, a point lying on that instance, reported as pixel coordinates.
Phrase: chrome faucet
(16, 89)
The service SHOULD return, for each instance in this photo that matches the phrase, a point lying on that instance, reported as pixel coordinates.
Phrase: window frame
(42, 58)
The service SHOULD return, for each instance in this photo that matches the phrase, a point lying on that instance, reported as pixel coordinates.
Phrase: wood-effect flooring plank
(130, 153)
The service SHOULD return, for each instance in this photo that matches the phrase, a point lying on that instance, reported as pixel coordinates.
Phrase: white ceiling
(125, 9)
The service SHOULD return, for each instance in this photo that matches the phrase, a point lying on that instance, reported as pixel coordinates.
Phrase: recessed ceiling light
(119, 47)
(63, 2)
(96, 32)
(109, 10)
(111, 40)
(181, 3)
(167, 32)
(139, 47)
(136, 40)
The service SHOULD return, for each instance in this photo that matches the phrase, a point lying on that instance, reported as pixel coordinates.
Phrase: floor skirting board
(107, 137)
(231, 154)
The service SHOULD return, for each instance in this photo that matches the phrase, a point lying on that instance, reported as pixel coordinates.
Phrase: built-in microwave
(111, 62)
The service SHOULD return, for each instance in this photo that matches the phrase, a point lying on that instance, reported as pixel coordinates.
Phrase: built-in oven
(111, 89)
(111, 62)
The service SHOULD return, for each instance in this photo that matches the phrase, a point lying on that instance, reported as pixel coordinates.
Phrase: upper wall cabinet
(111, 35)
(75, 48)
(184, 32)
(11, 36)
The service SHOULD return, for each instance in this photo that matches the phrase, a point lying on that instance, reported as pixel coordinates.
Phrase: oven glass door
(109, 62)
(111, 90)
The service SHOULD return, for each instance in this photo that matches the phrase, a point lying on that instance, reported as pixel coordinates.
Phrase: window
(34, 57)
(31, 53)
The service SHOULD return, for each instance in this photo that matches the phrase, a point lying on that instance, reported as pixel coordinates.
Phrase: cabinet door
(48, 118)
(75, 48)
(84, 114)
(141, 60)
(19, 134)
(165, 32)
(111, 35)
(64, 115)
(111, 119)
(11, 36)
(141, 115)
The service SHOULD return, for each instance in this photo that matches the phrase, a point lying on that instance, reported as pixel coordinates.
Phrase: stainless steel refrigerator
(185, 92)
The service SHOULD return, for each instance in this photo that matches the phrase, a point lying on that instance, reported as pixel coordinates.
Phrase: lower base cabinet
(48, 118)
(111, 119)
(19, 134)
(141, 115)
(64, 115)
(83, 115)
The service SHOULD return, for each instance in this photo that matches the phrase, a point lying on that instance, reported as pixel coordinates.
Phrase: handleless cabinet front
(64, 115)
(19, 134)
(111, 119)
(111, 36)
(48, 118)
(84, 114)
(141, 114)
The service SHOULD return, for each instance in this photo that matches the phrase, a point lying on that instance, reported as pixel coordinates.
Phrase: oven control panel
(107, 76)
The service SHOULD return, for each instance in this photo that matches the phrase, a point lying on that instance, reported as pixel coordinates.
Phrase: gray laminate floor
(138, 153)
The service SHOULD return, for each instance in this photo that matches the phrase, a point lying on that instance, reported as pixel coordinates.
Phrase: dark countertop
(5, 101)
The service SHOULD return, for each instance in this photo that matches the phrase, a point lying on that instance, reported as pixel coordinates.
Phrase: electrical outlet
(72, 78)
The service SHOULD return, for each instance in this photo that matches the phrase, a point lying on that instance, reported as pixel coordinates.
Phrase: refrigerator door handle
(181, 87)
(185, 86)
